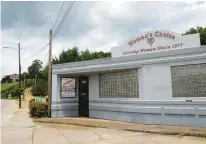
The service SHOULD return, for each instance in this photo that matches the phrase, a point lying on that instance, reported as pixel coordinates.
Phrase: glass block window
(189, 80)
(121, 84)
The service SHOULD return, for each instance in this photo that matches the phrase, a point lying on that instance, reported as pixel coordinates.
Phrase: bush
(16, 91)
(8, 89)
(5, 94)
(29, 83)
(38, 109)
(13, 90)
(40, 89)
(31, 100)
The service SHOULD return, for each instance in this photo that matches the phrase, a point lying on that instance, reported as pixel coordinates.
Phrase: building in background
(10, 78)
(157, 77)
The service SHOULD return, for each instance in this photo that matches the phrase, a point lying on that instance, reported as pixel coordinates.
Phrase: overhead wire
(36, 53)
(63, 19)
(57, 29)
(58, 15)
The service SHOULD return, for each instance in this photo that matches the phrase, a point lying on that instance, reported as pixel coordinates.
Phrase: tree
(201, 31)
(24, 75)
(85, 55)
(41, 88)
(44, 73)
(73, 55)
(35, 69)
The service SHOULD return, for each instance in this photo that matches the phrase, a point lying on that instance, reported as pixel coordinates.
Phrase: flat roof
(112, 63)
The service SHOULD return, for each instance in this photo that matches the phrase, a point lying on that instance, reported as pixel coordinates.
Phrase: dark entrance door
(84, 96)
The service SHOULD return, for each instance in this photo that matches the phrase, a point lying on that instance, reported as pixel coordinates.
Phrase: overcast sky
(93, 25)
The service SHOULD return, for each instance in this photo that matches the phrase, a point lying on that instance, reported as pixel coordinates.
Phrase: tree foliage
(35, 69)
(73, 55)
(201, 31)
(41, 88)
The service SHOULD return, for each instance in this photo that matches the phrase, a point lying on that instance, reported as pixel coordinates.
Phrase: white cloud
(97, 26)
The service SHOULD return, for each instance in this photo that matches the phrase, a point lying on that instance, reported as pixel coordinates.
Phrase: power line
(63, 18)
(57, 29)
(58, 15)
(36, 53)
(52, 28)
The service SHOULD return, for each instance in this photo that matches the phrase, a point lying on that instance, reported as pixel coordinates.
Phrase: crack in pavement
(13, 127)
(98, 135)
(32, 137)
(100, 138)
(69, 142)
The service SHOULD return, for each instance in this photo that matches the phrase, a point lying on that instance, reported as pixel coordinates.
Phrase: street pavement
(8, 108)
(20, 129)
(17, 126)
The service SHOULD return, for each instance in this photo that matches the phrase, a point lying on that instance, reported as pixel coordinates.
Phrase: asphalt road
(8, 108)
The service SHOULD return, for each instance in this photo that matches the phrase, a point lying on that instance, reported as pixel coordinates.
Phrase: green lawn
(7, 85)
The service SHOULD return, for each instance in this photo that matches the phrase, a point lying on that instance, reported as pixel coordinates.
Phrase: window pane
(121, 84)
(189, 80)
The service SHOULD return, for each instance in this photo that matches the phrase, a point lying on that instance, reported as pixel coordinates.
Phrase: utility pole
(49, 73)
(19, 76)
(19, 50)
(24, 80)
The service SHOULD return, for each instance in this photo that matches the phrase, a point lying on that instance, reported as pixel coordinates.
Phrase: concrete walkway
(71, 134)
(8, 108)
(118, 125)
(21, 130)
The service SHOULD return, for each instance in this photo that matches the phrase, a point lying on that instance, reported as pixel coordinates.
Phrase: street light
(10, 47)
(19, 70)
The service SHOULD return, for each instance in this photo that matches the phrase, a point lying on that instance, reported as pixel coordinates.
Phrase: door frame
(79, 101)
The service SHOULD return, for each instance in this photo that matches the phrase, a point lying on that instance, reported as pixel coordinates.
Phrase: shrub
(8, 89)
(5, 94)
(40, 89)
(13, 90)
(29, 83)
(38, 109)
(16, 91)
(31, 100)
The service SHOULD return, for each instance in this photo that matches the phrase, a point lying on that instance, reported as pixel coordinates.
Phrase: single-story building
(157, 77)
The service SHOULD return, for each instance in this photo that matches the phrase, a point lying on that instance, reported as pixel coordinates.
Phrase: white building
(157, 77)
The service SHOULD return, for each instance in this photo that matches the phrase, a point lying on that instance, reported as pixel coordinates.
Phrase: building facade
(166, 86)
(10, 78)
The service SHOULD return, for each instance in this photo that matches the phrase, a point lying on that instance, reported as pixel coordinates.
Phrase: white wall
(94, 87)
(55, 87)
(155, 83)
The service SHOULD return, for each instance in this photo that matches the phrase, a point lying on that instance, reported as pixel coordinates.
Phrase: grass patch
(180, 135)
(12, 98)
(5, 86)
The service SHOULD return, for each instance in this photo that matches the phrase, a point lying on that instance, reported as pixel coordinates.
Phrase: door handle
(83, 94)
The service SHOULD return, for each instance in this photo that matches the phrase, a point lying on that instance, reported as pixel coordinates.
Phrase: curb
(202, 135)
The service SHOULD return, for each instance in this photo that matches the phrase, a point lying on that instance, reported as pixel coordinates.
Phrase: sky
(89, 25)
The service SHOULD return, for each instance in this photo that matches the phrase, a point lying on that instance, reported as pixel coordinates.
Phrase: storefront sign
(67, 87)
(155, 41)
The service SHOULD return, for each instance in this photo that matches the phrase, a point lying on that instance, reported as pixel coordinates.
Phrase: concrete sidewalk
(156, 129)
(8, 108)
(18, 129)
(21, 130)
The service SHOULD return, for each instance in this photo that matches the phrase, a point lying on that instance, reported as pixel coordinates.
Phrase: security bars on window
(189, 80)
(121, 84)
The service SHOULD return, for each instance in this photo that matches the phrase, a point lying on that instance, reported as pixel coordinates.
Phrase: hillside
(7, 85)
